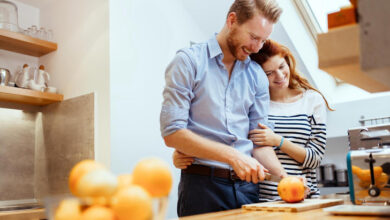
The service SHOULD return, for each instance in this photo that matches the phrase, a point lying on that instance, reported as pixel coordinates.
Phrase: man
(214, 95)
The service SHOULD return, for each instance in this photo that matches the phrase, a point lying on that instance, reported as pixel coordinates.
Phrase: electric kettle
(4, 76)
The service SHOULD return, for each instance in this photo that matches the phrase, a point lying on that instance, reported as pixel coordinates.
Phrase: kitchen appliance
(320, 176)
(329, 175)
(368, 164)
(4, 76)
(9, 16)
(342, 177)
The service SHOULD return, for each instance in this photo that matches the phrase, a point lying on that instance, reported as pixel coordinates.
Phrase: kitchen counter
(27, 214)
(317, 214)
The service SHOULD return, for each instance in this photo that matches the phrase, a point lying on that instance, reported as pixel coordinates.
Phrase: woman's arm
(266, 137)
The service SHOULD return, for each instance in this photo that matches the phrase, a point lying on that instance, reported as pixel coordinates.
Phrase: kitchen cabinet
(358, 54)
(20, 43)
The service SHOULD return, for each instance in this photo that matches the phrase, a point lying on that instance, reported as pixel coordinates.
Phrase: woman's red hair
(272, 48)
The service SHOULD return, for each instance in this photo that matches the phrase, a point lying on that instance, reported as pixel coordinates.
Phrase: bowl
(51, 204)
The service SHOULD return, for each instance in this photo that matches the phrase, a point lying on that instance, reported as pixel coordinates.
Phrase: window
(314, 13)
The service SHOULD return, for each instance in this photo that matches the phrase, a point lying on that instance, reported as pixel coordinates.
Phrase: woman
(298, 112)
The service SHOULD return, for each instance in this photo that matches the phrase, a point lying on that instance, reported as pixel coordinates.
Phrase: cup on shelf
(34, 31)
(42, 34)
(51, 89)
(49, 35)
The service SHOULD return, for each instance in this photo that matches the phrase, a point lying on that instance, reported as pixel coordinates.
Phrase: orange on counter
(79, 170)
(132, 202)
(97, 212)
(104, 195)
(291, 189)
(97, 183)
(125, 180)
(154, 175)
(68, 209)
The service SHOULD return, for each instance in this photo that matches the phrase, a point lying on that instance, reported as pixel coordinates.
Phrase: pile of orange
(102, 195)
(364, 176)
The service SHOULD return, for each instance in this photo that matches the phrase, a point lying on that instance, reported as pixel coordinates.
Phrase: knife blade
(272, 178)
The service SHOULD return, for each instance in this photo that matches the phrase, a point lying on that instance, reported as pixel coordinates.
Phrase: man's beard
(234, 44)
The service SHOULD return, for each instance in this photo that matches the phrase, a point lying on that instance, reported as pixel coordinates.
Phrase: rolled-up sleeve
(177, 94)
(258, 113)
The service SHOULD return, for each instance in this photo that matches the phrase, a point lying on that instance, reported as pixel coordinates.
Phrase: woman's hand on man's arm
(264, 136)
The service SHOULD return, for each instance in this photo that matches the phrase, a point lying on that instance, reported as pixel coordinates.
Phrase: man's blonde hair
(246, 9)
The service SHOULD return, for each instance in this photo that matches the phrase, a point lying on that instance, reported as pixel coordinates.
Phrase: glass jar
(8, 16)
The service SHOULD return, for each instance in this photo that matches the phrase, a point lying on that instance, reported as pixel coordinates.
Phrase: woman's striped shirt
(303, 122)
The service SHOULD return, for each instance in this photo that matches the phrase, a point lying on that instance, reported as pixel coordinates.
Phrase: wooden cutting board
(281, 206)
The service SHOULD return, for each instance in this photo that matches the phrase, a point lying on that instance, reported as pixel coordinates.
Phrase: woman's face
(277, 71)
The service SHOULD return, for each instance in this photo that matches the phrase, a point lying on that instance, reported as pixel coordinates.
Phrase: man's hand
(181, 161)
(248, 168)
(264, 136)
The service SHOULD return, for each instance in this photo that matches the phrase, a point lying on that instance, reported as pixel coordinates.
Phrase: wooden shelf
(24, 44)
(339, 54)
(26, 96)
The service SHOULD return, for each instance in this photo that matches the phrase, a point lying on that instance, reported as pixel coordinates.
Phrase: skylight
(320, 9)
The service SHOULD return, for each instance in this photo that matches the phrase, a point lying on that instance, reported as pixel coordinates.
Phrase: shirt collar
(215, 50)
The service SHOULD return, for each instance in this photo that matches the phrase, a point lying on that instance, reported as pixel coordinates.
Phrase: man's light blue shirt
(199, 96)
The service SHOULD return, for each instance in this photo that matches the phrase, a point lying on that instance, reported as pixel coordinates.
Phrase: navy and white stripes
(303, 123)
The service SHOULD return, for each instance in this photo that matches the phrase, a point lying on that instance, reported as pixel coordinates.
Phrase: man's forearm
(267, 157)
(192, 144)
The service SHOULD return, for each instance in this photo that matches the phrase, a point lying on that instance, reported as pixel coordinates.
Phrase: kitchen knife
(272, 178)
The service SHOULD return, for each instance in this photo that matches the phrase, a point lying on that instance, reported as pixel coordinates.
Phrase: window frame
(308, 17)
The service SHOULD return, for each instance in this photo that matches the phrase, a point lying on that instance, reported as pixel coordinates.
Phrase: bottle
(22, 77)
(42, 77)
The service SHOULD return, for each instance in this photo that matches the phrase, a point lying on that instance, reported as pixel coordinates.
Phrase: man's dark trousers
(202, 194)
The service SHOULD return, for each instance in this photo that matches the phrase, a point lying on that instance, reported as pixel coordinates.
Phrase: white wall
(144, 36)
(348, 114)
(81, 63)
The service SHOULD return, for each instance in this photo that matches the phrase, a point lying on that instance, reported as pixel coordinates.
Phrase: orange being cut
(291, 189)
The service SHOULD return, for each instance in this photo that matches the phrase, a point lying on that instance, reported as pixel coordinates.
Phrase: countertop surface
(27, 214)
(315, 214)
